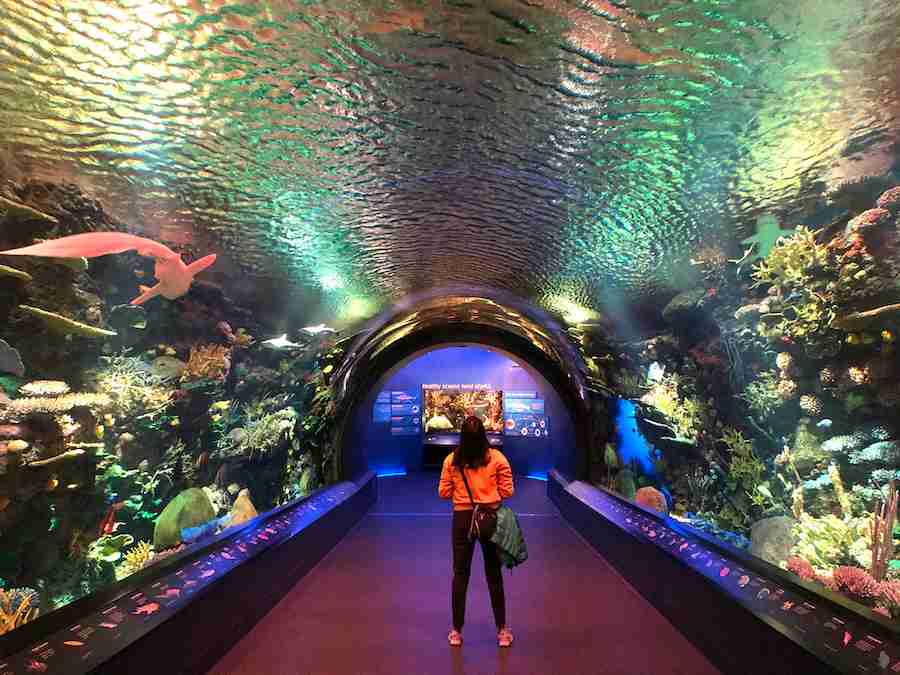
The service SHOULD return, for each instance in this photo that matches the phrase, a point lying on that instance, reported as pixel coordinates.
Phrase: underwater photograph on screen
(446, 409)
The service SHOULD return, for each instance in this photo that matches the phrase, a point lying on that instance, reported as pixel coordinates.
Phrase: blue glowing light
(632, 446)
(390, 473)
(538, 476)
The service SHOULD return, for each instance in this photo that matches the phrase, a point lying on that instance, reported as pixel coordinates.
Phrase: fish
(320, 328)
(174, 277)
(281, 342)
(170, 593)
(824, 424)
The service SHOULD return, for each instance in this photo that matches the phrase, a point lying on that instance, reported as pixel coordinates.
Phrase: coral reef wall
(128, 433)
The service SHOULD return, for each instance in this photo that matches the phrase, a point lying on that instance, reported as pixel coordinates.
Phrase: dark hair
(473, 444)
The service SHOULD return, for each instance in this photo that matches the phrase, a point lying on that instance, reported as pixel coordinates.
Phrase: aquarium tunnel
(260, 259)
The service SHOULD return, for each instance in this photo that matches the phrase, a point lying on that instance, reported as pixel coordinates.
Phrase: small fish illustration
(847, 638)
(242, 548)
(207, 574)
(108, 625)
(170, 593)
(787, 605)
(148, 609)
(73, 643)
(743, 581)
(228, 556)
(724, 572)
(190, 582)
(35, 666)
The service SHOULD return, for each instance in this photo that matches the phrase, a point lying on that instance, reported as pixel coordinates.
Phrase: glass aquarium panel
(134, 426)
(766, 415)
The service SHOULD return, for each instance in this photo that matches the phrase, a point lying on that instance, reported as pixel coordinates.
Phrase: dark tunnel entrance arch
(369, 372)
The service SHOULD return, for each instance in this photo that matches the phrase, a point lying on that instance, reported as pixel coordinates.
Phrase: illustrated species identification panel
(525, 414)
(399, 409)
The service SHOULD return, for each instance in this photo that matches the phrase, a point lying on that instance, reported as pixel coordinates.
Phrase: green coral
(684, 413)
(762, 395)
(188, 509)
(829, 541)
(108, 548)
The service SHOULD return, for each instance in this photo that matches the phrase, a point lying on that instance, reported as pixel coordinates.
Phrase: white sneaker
(504, 637)
(455, 638)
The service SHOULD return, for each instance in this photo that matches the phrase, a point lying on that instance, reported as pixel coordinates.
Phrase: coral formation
(18, 606)
(651, 498)
(66, 326)
(209, 361)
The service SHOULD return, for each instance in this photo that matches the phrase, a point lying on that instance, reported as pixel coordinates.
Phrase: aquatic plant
(209, 361)
(837, 484)
(18, 606)
(134, 559)
(46, 388)
(66, 326)
(762, 396)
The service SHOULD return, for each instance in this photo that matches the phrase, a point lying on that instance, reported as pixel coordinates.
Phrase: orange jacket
(489, 483)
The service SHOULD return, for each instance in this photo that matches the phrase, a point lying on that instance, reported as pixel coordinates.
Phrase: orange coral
(854, 581)
(651, 498)
(207, 362)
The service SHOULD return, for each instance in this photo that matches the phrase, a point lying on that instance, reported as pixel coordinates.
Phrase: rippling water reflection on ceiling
(368, 149)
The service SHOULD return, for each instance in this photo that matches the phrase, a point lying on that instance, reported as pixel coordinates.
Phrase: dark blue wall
(467, 364)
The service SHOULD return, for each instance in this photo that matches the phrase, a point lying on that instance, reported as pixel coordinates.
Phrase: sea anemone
(890, 200)
(787, 389)
(858, 374)
(811, 405)
(801, 568)
(134, 559)
(855, 582)
(784, 361)
(44, 388)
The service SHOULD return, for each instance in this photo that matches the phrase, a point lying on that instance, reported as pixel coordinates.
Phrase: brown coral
(207, 362)
(890, 200)
(828, 376)
(23, 407)
(787, 389)
(44, 388)
(811, 405)
(870, 218)
(859, 374)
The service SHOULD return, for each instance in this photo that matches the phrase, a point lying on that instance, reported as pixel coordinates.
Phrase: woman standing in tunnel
(476, 477)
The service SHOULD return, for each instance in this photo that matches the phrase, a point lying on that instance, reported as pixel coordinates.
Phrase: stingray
(174, 277)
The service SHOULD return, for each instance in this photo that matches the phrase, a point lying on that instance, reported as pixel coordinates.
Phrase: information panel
(524, 414)
(401, 410)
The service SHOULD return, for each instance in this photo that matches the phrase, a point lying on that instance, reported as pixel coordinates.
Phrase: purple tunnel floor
(379, 603)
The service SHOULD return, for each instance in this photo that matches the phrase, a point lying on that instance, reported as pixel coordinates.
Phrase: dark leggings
(463, 548)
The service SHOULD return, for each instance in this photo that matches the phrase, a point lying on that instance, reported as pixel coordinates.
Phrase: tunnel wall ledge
(744, 614)
(184, 616)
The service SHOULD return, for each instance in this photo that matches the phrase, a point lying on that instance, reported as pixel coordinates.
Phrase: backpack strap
(473, 527)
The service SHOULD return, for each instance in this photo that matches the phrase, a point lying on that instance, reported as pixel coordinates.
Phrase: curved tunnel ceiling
(349, 152)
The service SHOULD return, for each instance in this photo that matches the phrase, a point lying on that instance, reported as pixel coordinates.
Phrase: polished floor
(379, 604)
